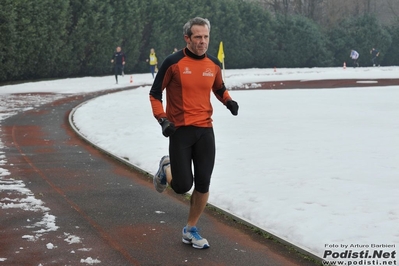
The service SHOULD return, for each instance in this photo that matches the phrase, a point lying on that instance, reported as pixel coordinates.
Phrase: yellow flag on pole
(221, 53)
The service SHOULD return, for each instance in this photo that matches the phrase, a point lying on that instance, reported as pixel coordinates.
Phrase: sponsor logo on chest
(187, 71)
(207, 73)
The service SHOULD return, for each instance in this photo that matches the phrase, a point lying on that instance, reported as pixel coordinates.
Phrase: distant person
(355, 56)
(175, 50)
(189, 76)
(153, 61)
(374, 56)
(119, 59)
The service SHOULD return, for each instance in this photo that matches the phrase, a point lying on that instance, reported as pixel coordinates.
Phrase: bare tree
(393, 6)
(329, 12)
(335, 11)
(286, 6)
(388, 11)
(315, 9)
(277, 6)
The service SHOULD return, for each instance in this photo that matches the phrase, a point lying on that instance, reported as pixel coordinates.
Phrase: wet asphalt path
(114, 211)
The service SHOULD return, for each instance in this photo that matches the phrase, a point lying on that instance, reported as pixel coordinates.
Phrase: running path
(91, 209)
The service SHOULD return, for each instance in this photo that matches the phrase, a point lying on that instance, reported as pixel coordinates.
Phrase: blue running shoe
(193, 238)
(159, 180)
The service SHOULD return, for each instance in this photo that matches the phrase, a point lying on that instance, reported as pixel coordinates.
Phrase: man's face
(199, 40)
(118, 49)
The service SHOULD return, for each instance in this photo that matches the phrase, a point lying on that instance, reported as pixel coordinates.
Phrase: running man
(119, 59)
(355, 56)
(374, 56)
(189, 76)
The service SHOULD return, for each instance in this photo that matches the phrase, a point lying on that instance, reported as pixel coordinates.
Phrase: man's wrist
(161, 120)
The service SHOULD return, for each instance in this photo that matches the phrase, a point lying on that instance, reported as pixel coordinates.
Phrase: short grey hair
(195, 21)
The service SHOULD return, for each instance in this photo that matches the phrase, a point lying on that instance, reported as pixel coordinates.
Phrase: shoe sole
(188, 242)
(158, 186)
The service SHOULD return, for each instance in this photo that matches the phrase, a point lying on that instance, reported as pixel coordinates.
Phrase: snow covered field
(317, 168)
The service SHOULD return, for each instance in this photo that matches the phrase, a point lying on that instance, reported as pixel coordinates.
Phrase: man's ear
(187, 39)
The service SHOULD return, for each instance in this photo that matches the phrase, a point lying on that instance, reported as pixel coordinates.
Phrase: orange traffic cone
(344, 65)
(131, 79)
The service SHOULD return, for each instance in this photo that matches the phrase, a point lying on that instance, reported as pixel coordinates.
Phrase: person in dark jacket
(374, 56)
(119, 60)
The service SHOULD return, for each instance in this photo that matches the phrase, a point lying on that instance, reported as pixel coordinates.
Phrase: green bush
(53, 39)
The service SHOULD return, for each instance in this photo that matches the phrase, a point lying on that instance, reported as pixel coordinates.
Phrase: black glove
(232, 106)
(168, 128)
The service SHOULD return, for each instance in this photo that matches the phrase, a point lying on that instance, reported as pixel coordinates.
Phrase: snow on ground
(317, 168)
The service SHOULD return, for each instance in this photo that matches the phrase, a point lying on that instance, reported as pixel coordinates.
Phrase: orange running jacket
(189, 80)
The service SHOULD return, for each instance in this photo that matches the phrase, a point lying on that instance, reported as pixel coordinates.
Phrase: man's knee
(181, 188)
(185, 189)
